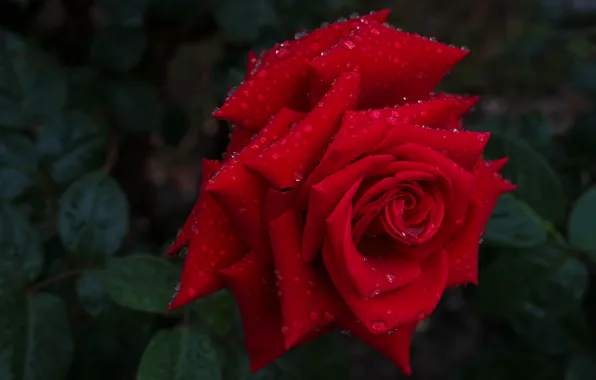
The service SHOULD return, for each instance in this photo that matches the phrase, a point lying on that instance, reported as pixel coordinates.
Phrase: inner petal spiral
(409, 211)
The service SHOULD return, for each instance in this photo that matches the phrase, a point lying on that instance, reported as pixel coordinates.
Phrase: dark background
(105, 115)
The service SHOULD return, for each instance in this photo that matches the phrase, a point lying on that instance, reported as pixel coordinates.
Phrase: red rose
(350, 195)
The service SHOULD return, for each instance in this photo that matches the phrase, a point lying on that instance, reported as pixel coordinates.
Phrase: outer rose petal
(280, 80)
(393, 64)
(253, 285)
(317, 41)
(265, 93)
(390, 310)
(395, 346)
(190, 226)
(325, 196)
(276, 204)
(239, 138)
(294, 156)
(462, 147)
(214, 246)
(463, 253)
(435, 112)
(308, 300)
(251, 64)
(245, 209)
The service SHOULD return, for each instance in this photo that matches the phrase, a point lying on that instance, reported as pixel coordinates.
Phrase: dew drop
(284, 329)
(313, 316)
(390, 277)
(349, 44)
(379, 326)
(346, 333)
(297, 175)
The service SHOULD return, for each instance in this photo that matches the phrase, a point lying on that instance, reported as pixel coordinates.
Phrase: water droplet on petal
(379, 326)
(390, 277)
(284, 329)
(297, 175)
(313, 315)
(349, 44)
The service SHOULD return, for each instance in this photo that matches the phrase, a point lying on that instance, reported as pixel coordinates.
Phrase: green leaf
(135, 106)
(584, 78)
(216, 313)
(581, 228)
(141, 282)
(241, 20)
(35, 336)
(21, 256)
(543, 282)
(119, 48)
(18, 166)
(123, 12)
(91, 291)
(513, 223)
(181, 353)
(93, 216)
(32, 87)
(531, 173)
(582, 367)
(75, 144)
(84, 88)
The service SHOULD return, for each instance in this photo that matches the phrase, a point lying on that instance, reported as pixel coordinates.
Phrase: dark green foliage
(101, 103)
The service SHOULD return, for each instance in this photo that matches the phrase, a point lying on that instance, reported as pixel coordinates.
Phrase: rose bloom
(349, 196)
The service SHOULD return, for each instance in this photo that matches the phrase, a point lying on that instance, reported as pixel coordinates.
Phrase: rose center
(410, 212)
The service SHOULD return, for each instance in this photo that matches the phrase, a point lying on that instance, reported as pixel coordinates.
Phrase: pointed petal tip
(384, 13)
(498, 165)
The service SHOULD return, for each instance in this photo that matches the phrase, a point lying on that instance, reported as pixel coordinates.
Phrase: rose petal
(463, 251)
(390, 310)
(354, 139)
(317, 41)
(214, 246)
(435, 112)
(190, 226)
(325, 196)
(265, 93)
(308, 302)
(455, 210)
(372, 276)
(239, 138)
(464, 147)
(395, 346)
(293, 157)
(253, 285)
(276, 204)
(245, 210)
(251, 64)
(394, 65)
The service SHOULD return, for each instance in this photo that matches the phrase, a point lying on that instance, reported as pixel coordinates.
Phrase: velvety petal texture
(350, 195)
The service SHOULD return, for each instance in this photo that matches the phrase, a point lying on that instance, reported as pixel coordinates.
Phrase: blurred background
(104, 119)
